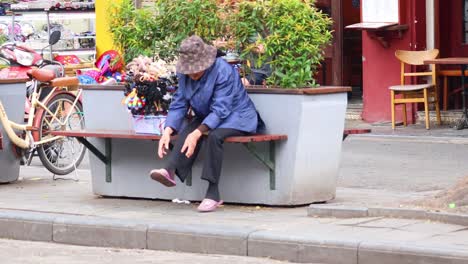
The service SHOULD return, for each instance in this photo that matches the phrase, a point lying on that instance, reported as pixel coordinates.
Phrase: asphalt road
(398, 164)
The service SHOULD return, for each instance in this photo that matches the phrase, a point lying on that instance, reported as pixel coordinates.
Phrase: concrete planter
(306, 163)
(12, 95)
(313, 119)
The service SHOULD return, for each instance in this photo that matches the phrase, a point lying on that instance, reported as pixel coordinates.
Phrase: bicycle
(54, 106)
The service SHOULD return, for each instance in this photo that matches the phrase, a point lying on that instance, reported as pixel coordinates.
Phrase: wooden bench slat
(128, 134)
(353, 131)
(255, 138)
(105, 134)
(132, 135)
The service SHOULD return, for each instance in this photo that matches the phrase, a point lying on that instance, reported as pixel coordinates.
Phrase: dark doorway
(453, 28)
(343, 60)
(352, 50)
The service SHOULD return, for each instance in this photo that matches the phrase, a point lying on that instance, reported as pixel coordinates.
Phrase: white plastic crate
(149, 124)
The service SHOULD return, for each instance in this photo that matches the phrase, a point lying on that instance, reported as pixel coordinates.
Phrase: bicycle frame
(29, 128)
(9, 127)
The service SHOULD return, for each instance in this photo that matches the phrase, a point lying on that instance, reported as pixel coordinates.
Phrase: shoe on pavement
(164, 177)
(209, 205)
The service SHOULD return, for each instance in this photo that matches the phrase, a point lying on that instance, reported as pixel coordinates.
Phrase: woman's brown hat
(195, 55)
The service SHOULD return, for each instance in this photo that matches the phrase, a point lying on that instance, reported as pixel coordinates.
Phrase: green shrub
(134, 30)
(179, 19)
(293, 32)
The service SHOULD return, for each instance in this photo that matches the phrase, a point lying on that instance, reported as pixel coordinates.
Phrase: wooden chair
(415, 93)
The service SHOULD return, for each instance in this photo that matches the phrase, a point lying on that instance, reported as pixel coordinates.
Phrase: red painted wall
(381, 69)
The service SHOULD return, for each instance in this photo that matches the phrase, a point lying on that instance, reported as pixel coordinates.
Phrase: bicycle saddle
(41, 75)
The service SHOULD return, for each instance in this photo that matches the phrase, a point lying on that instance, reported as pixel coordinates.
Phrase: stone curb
(98, 231)
(209, 239)
(199, 239)
(412, 138)
(341, 211)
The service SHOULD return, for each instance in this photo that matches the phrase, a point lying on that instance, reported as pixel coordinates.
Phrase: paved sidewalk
(65, 211)
(378, 171)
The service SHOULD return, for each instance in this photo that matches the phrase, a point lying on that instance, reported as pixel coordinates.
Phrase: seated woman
(214, 91)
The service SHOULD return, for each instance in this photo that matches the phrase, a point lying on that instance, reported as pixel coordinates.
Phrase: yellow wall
(104, 39)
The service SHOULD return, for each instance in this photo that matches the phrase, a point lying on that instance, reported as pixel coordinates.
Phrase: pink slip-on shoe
(209, 205)
(164, 177)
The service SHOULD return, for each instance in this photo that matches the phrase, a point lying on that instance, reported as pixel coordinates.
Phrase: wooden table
(463, 62)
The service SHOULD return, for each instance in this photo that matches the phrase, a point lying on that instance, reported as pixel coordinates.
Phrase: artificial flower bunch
(150, 85)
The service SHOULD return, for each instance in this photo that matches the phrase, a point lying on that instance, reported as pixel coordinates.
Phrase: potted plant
(160, 29)
(293, 34)
(178, 19)
(133, 30)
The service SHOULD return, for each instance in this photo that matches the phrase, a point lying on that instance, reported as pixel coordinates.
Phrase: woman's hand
(164, 142)
(191, 143)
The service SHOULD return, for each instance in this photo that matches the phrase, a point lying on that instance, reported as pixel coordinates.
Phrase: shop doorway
(342, 65)
(352, 51)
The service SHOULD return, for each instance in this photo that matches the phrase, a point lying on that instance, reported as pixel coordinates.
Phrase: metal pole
(465, 113)
(48, 34)
(463, 121)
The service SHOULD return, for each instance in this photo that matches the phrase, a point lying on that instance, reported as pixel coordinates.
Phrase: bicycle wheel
(63, 155)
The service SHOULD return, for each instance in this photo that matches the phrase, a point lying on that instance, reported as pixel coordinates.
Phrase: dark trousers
(213, 157)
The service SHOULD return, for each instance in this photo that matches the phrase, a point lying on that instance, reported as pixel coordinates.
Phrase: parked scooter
(22, 59)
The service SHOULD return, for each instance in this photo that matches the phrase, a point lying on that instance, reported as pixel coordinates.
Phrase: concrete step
(354, 111)
(448, 117)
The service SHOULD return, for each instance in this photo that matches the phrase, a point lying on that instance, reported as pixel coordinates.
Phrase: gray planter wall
(306, 163)
(13, 96)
